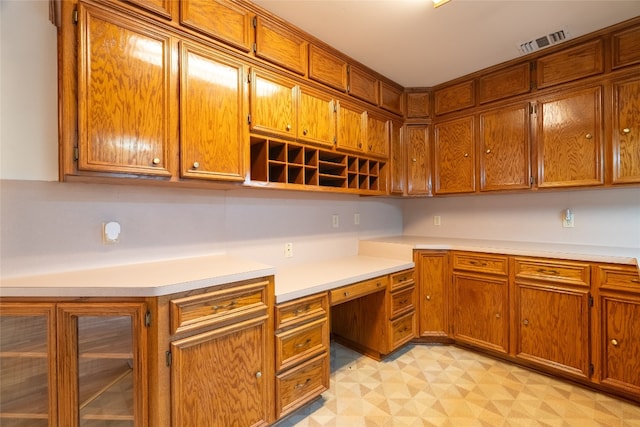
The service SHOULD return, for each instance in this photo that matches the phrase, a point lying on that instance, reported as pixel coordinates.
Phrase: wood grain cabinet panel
(433, 293)
(350, 133)
(316, 117)
(273, 104)
(220, 19)
(454, 98)
(301, 384)
(570, 64)
(418, 160)
(569, 139)
(418, 105)
(391, 98)
(124, 95)
(504, 149)
(625, 47)
(377, 135)
(511, 81)
(159, 7)
(626, 132)
(363, 85)
(281, 46)
(327, 68)
(213, 111)
(454, 156)
(398, 158)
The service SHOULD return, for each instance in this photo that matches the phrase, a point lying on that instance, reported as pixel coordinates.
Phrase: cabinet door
(504, 149)
(398, 159)
(433, 282)
(350, 134)
(225, 374)
(213, 131)
(102, 360)
(316, 117)
(481, 316)
(273, 104)
(281, 46)
(454, 160)
(552, 327)
(27, 365)
(124, 95)
(569, 139)
(418, 160)
(377, 135)
(626, 132)
(220, 19)
(620, 343)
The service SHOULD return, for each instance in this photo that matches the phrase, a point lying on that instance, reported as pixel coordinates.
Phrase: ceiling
(417, 45)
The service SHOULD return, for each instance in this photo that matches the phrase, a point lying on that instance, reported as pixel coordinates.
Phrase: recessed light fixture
(438, 3)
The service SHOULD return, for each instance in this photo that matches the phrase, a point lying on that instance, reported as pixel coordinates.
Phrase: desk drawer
(403, 329)
(195, 311)
(618, 277)
(357, 290)
(402, 278)
(568, 272)
(402, 301)
(301, 310)
(301, 384)
(480, 263)
(301, 343)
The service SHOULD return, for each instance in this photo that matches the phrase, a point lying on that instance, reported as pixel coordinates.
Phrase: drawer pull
(478, 263)
(545, 271)
(404, 301)
(525, 322)
(378, 284)
(302, 309)
(346, 294)
(219, 307)
(635, 280)
(300, 385)
(428, 297)
(303, 344)
(497, 315)
(614, 342)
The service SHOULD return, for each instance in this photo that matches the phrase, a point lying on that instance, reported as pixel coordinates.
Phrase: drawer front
(403, 330)
(298, 386)
(209, 308)
(402, 301)
(301, 343)
(301, 310)
(573, 273)
(357, 290)
(484, 263)
(618, 277)
(402, 278)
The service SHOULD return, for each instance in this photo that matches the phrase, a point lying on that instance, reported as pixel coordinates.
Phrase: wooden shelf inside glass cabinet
(286, 164)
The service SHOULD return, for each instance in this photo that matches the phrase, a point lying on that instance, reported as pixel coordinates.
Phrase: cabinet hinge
(147, 319)
(590, 301)
(255, 21)
(531, 180)
(248, 77)
(74, 18)
(168, 355)
(591, 369)
(75, 154)
(533, 109)
(335, 139)
(255, 47)
(249, 119)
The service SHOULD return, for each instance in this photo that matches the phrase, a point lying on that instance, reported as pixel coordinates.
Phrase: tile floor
(432, 385)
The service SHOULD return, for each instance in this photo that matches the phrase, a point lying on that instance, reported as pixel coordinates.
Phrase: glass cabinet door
(27, 365)
(100, 364)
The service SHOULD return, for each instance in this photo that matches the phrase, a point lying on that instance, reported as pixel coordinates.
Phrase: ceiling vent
(544, 41)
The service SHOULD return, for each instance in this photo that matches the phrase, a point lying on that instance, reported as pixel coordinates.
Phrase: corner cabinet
(73, 364)
(454, 156)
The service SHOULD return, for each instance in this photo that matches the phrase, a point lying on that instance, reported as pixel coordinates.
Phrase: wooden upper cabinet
(377, 135)
(220, 19)
(454, 98)
(504, 148)
(418, 105)
(391, 98)
(454, 159)
(273, 104)
(570, 64)
(398, 159)
(418, 160)
(625, 47)
(281, 46)
(511, 81)
(159, 7)
(363, 85)
(569, 139)
(626, 132)
(213, 111)
(327, 68)
(124, 94)
(316, 117)
(350, 127)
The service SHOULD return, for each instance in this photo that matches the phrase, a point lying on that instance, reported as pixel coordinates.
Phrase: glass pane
(105, 366)
(24, 375)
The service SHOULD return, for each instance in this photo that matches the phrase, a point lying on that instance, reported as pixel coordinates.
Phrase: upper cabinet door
(454, 160)
(569, 139)
(159, 7)
(273, 104)
(350, 134)
(220, 19)
(626, 132)
(504, 149)
(418, 160)
(377, 135)
(327, 68)
(124, 96)
(281, 46)
(316, 117)
(213, 130)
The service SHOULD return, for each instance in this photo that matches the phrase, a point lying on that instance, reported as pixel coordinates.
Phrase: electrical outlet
(335, 221)
(436, 220)
(356, 218)
(110, 232)
(288, 250)
(567, 221)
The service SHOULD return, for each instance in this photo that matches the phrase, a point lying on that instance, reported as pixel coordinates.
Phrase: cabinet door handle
(614, 342)
(288, 126)
(497, 315)
(588, 136)
(525, 322)
(306, 131)
(156, 161)
(488, 151)
(428, 297)
(258, 374)
(626, 130)
(414, 160)
(196, 165)
(466, 154)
